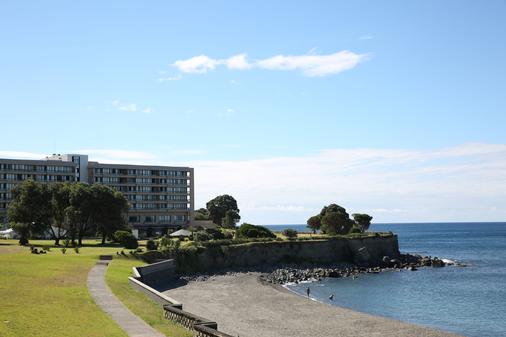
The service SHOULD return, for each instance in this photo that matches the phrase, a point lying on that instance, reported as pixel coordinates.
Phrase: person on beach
(308, 291)
(331, 297)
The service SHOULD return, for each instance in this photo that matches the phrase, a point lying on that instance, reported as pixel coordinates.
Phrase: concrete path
(103, 296)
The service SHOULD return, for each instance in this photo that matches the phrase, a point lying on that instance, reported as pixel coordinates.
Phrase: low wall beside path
(173, 310)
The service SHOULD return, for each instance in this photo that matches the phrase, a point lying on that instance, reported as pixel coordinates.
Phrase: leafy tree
(80, 212)
(109, 210)
(60, 201)
(202, 214)
(30, 209)
(363, 221)
(335, 220)
(219, 206)
(230, 219)
(314, 223)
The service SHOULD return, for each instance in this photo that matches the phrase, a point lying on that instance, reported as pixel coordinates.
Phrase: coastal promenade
(242, 306)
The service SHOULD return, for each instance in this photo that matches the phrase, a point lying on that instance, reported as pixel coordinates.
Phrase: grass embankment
(117, 279)
(46, 295)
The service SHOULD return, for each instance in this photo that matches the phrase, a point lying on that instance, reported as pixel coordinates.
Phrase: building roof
(181, 232)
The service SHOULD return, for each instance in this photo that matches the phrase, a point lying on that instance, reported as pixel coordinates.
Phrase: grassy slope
(137, 302)
(46, 295)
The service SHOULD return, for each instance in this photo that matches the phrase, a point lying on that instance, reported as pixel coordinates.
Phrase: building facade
(160, 197)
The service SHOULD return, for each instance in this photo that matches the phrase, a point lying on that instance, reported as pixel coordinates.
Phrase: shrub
(215, 234)
(151, 245)
(202, 236)
(355, 230)
(76, 249)
(119, 236)
(63, 250)
(290, 233)
(251, 231)
(130, 242)
(126, 239)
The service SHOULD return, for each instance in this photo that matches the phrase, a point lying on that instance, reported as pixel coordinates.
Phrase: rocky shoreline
(283, 274)
(405, 261)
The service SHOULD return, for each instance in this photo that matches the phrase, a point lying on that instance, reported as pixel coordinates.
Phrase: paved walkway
(103, 296)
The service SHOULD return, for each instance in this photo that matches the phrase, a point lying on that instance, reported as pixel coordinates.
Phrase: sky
(392, 108)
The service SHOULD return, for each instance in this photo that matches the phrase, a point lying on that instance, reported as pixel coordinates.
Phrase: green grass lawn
(150, 311)
(46, 295)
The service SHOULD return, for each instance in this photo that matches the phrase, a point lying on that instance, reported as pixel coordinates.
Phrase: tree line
(67, 210)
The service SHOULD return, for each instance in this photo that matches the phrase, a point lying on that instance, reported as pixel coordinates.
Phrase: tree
(363, 221)
(80, 211)
(230, 219)
(30, 209)
(109, 210)
(314, 223)
(202, 214)
(60, 201)
(335, 220)
(219, 206)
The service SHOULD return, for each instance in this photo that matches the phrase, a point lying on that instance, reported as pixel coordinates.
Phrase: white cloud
(238, 62)
(366, 37)
(198, 64)
(21, 155)
(309, 64)
(147, 110)
(314, 65)
(462, 183)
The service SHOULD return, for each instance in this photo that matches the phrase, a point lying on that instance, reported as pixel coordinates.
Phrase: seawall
(367, 251)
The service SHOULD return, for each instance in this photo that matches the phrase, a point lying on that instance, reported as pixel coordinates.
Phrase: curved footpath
(242, 306)
(105, 299)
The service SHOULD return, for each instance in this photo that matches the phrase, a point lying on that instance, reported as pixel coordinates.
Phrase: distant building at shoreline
(160, 197)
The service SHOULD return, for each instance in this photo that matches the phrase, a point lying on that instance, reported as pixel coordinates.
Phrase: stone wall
(364, 251)
(165, 270)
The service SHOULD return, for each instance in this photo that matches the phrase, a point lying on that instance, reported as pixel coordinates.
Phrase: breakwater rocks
(405, 261)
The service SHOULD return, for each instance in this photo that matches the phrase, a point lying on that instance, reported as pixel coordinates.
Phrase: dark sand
(242, 306)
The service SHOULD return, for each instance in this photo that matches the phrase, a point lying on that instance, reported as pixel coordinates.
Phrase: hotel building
(160, 197)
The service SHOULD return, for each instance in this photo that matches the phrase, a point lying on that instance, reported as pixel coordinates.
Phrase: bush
(151, 245)
(215, 234)
(202, 236)
(126, 239)
(119, 236)
(76, 249)
(63, 250)
(251, 231)
(290, 233)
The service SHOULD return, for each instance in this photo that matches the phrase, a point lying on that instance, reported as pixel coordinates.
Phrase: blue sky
(245, 87)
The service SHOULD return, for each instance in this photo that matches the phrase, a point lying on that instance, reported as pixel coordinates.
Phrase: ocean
(466, 300)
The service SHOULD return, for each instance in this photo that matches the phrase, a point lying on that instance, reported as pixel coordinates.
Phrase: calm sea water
(469, 301)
